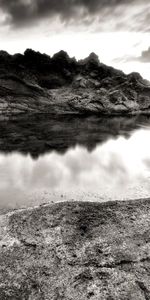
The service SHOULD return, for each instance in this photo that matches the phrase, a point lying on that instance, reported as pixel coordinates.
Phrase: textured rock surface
(36, 83)
(18, 96)
(76, 251)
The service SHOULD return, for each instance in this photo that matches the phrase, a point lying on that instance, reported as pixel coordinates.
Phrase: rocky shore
(76, 250)
(36, 83)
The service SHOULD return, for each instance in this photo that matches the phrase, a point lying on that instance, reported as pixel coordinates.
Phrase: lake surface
(68, 158)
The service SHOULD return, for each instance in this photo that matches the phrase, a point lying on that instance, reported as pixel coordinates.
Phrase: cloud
(144, 57)
(111, 167)
(20, 10)
(131, 14)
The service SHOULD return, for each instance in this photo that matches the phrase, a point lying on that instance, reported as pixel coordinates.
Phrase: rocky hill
(75, 251)
(37, 83)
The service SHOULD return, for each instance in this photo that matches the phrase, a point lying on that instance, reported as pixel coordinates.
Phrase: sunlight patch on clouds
(107, 45)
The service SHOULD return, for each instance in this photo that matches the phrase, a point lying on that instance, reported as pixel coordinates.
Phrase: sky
(117, 30)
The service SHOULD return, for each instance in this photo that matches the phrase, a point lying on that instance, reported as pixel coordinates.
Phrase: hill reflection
(42, 134)
(118, 168)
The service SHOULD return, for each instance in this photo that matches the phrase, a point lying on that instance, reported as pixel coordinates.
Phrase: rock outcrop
(76, 251)
(37, 83)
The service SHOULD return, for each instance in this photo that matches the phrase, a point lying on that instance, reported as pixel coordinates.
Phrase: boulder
(76, 250)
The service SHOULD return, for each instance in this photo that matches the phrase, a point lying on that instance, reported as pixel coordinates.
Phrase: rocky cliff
(36, 83)
(76, 251)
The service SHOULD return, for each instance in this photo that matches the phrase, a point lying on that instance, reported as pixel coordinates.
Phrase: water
(68, 158)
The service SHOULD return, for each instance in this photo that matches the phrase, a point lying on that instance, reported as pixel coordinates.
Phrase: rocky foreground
(37, 83)
(76, 251)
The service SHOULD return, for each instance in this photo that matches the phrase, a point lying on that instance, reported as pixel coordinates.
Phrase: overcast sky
(117, 30)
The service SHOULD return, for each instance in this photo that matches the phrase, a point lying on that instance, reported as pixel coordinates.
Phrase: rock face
(36, 83)
(76, 251)
(19, 96)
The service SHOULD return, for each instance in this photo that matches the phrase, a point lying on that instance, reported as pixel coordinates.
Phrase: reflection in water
(37, 135)
(118, 166)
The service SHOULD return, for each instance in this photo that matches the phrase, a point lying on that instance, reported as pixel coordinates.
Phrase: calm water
(68, 158)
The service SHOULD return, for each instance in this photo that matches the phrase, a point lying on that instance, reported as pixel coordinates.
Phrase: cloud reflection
(114, 165)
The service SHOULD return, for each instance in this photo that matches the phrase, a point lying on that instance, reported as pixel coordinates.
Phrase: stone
(76, 250)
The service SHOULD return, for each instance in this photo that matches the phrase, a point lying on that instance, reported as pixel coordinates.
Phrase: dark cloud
(143, 58)
(25, 12)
